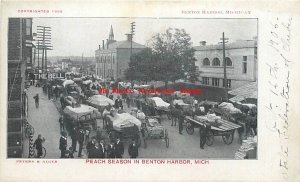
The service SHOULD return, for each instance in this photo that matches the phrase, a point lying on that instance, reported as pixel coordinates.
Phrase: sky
(77, 36)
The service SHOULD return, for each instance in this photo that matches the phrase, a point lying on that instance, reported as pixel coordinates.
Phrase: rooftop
(234, 45)
(125, 45)
(244, 92)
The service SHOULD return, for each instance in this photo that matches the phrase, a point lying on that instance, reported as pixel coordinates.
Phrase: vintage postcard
(149, 91)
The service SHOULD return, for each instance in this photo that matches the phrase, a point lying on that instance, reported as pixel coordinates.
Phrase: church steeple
(111, 33)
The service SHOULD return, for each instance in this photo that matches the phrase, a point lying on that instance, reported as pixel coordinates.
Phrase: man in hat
(133, 150)
(61, 123)
(180, 121)
(36, 100)
(204, 130)
(63, 144)
(119, 148)
(80, 141)
(39, 146)
(118, 103)
(74, 138)
(90, 147)
(102, 149)
(111, 151)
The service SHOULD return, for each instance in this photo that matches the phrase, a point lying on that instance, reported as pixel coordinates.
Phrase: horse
(175, 114)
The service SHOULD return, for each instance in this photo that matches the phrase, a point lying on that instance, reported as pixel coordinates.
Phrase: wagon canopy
(86, 82)
(100, 101)
(229, 108)
(76, 113)
(68, 82)
(123, 120)
(180, 103)
(159, 102)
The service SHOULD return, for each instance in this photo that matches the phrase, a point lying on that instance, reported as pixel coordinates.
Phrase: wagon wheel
(44, 152)
(228, 137)
(167, 138)
(189, 128)
(209, 138)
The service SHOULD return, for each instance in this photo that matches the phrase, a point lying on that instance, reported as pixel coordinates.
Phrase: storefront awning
(248, 91)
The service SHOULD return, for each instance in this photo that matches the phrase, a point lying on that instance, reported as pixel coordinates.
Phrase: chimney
(107, 43)
(203, 43)
(102, 44)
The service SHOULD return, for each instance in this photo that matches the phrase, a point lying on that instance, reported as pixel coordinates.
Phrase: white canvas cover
(87, 82)
(159, 102)
(68, 82)
(229, 107)
(77, 112)
(124, 119)
(100, 100)
(179, 102)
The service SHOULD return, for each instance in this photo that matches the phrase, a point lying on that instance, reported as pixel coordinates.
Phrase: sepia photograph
(156, 88)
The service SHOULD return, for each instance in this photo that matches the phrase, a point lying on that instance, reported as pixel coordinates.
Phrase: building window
(113, 59)
(216, 62)
(205, 80)
(228, 61)
(120, 71)
(228, 83)
(112, 73)
(28, 27)
(215, 82)
(206, 62)
(244, 64)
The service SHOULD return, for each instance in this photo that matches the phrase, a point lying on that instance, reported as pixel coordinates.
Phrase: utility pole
(131, 36)
(44, 43)
(224, 65)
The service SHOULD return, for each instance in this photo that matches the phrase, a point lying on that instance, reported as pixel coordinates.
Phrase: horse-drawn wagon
(219, 127)
(83, 115)
(123, 126)
(152, 129)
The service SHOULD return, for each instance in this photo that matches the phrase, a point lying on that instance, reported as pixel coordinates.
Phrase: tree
(140, 66)
(174, 53)
(171, 58)
(192, 73)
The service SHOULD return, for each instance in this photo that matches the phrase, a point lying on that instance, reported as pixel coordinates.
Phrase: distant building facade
(113, 57)
(66, 64)
(241, 63)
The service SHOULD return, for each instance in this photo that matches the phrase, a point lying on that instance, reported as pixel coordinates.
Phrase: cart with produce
(152, 129)
(160, 106)
(99, 102)
(219, 127)
(123, 126)
(83, 115)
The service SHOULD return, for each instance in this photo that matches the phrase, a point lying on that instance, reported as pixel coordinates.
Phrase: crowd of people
(95, 148)
(98, 148)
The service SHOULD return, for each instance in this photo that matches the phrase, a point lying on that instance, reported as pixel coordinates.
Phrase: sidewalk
(45, 122)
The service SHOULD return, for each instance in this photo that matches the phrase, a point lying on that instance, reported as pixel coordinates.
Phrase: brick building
(241, 63)
(19, 64)
(113, 58)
